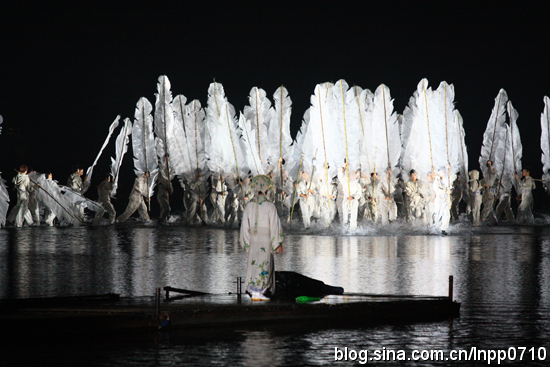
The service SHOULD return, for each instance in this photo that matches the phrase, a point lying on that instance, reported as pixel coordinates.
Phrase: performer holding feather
(145, 161)
(88, 177)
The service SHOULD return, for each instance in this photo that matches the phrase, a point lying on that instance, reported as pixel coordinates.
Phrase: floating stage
(187, 310)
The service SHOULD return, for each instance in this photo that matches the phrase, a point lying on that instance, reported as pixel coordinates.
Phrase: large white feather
(181, 162)
(195, 132)
(496, 128)
(4, 200)
(56, 198)
(365, 101)
(504, 151)
(280, 125)
(516, 146)
(259, 114)
(417, 150)
(89, 172)
(322, 133)
(297, 148)
(143, 143)
(121, 147)
(545, 139)
(384, 132)
(463, 153)
(251, 146)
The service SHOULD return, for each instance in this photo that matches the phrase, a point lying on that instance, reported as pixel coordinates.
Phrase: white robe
(261, 234)
(441, 207)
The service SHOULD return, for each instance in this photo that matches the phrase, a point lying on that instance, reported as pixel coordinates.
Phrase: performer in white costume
(136, 201)
(261, 235)
(305, 191)
(504, 204)
(23, 186)
(475, 188)
(326, 201)
(489, 189)
(388, 208)
(442, 202)
(413, 198)
(350, 198)
(104, 191)
(164, 190)
(527, 184)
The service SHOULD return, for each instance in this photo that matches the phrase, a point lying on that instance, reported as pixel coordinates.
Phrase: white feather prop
(451, 137)
(297, 148)
(280, 125)
(89, 172)
(349, 126)
(4, 200)
(417, 151)
(180, 156)
(515, 142)
(121, 147)
(250, 146)
(365, 100)
(54, 197)
(215, 141)
(504, 151)
(384, 132)
(259, 115)
(463, 153)
(224, 151)
(195, 132)
(322, 132)
(143, 143)
(163, 114)
(496, 128)
(545, 139)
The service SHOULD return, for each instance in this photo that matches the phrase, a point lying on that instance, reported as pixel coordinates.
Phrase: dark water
(502, 278)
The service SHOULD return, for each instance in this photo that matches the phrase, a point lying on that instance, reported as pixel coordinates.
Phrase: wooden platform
(110, 313)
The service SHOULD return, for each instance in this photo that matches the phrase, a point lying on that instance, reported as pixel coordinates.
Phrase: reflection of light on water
(260, 349)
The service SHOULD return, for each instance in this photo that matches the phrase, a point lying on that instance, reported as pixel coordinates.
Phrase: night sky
(67, 71)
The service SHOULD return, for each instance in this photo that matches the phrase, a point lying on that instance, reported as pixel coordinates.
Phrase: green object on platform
(306, 299)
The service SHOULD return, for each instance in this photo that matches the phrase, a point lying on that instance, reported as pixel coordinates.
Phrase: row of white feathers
(342, 124)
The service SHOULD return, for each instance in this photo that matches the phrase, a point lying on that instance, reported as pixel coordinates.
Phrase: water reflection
(502, 278)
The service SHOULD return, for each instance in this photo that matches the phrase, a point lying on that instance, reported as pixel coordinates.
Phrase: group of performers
(220, 199)
(354, 161)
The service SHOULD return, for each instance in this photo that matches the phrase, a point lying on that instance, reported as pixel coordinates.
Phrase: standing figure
(326, 201)
(305, 191)
(412, 197)
(442, 202)
(23, 186)
(351, 194)
(34, 208)
(104, 191)
(428, 197)
(75, 179)
(195, 194)
(489, 191)
(388, 207)
(475, 188)
(137, 199)
(456, 196)
(261, 235)
(49, 215)
(527, 184)
(164, 190)
(373, 197)
(504, 204)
